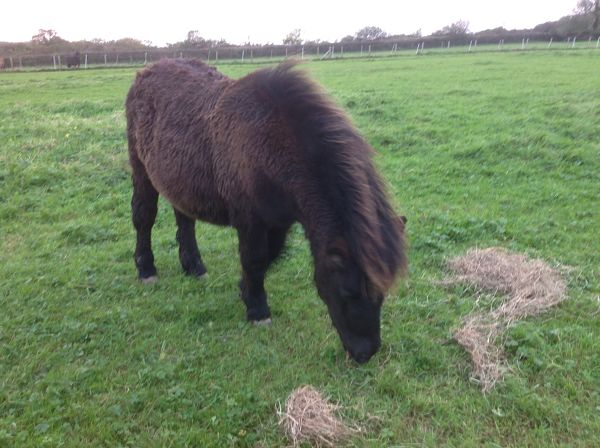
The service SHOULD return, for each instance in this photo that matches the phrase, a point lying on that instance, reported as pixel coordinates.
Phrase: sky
(263, 21)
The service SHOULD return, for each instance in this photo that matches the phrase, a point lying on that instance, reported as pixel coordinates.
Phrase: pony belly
(203, 210)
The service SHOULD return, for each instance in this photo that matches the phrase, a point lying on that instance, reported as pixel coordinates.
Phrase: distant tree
(370, 33)
(126, 44)
(584, 7)
(193, 39)
(44, 36)
(293, 37)
(458, 28)
(220, 43)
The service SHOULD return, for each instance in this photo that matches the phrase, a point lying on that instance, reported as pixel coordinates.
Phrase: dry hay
(309, 417)
(529, 287)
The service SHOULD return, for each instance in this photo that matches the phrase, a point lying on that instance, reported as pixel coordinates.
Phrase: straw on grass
(529, 287)
(309, 417)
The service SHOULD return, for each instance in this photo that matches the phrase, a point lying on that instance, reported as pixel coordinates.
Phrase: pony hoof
(149, 280)
(198, 272)
(262, 323)
(201, 277)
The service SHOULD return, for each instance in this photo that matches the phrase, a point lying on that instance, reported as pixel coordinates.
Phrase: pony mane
(342, 162)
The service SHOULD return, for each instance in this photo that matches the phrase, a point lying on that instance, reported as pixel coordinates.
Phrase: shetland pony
(258, 154)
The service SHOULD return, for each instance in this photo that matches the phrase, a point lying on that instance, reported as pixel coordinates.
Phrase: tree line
(585, 21)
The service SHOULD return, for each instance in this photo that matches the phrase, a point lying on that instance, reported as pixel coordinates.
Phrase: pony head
(353, 298)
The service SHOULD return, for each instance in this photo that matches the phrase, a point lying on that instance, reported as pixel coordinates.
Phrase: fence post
(598, 42)
(59, 63)
(574, 39)
(550, 43)
(145, 57)
(54, 61)
(243, 55)
(448, 44)
(104, 58)
(470, 45)
(85, 63)
(523, 44)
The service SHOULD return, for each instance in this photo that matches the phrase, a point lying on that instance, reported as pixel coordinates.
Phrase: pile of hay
(308, 417)
(529, 287)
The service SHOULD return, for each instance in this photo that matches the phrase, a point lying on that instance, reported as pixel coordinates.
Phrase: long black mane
(343, 165)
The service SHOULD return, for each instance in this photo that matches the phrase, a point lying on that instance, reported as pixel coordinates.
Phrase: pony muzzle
(363, 349)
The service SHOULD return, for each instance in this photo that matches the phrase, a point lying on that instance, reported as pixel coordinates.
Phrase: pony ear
(401, 222)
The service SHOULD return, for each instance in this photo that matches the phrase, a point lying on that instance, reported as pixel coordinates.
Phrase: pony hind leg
(143, 209)
(189, 255)
(254, 256)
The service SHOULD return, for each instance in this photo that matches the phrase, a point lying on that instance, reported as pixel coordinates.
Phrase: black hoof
(258, 314)
(149, 280)
(147, 275)
(262, 323)
(195, 270)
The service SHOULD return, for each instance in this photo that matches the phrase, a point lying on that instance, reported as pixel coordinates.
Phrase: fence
(278, 52)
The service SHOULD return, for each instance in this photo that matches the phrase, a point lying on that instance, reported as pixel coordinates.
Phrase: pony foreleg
(276, 241)
(254, 255)
(189, 255)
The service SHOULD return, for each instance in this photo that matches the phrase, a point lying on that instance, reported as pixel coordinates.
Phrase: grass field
(478, 150)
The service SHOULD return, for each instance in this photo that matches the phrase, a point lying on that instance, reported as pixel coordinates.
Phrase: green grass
(478, 150)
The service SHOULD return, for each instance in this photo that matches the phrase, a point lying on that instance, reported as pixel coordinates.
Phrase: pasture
(490, 149)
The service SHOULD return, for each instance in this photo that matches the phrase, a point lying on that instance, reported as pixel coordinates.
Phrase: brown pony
(258, 154)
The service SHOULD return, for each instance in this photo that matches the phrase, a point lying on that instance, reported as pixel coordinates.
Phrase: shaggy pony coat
(269, 148)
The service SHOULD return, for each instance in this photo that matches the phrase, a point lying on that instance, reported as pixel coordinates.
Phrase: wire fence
(222, 55)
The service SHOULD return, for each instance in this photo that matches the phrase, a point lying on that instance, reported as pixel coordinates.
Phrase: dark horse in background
(74, 60)
(258, 154)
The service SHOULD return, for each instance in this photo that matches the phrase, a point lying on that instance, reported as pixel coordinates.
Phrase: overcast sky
(262, 21)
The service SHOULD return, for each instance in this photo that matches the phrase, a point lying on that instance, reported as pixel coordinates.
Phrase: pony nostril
(361, 358)
(363, 355)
